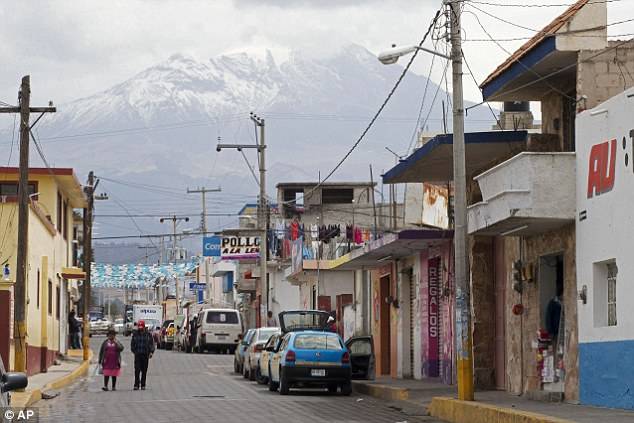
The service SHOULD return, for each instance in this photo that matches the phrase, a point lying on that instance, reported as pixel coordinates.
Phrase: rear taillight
(290, 356)
(345, 358)
(258, 348)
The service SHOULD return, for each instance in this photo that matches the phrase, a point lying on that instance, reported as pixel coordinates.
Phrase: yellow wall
(57, 252)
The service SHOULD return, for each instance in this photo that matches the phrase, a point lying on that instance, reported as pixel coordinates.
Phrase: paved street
(202, 387)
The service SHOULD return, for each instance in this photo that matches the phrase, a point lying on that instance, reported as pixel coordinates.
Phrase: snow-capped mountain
(161, 126)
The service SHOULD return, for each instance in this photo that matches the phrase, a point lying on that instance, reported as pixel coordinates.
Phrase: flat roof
(65, 178)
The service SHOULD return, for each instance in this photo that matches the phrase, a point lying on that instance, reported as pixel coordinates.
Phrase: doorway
(386, 334)
(552, 321)
(407, 289)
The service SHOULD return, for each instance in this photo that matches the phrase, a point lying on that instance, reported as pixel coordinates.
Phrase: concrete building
(52, 266)
(605, 229)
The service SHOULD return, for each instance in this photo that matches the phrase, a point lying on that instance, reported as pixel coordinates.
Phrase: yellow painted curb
(384, 392)
(456, 411)
(30, 397)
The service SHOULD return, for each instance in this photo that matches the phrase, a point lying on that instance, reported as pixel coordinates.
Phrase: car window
(361, 347)
(271, 342)
(224, 317)
(283, 344)
(248, 336)
(265, 334)
(318, 341)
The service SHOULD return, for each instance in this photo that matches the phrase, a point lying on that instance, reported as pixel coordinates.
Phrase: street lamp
(391, 56)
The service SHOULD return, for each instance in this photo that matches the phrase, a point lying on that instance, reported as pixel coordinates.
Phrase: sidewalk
(490, 406)
(69, 369)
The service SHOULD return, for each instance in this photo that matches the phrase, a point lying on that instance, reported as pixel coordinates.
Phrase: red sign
(433, 271)
(601, 168)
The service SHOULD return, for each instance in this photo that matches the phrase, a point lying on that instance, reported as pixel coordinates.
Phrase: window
(59, 211)
(317, 342)
(229, 318)
(9, 190)
(65, 220)
(361, 347)
(57, 301)
(50, 297)
(612, 272)
(337, 195)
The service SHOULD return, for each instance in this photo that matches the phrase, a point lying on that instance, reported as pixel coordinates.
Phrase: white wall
(282, 295)
(607, 232)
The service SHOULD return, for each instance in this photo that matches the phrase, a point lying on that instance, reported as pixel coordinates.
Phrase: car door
(276, 358)
(362, 359)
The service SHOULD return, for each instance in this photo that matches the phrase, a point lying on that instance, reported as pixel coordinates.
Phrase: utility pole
(203, 227)
(89, 190)
(19, 314)
(463, 297)
(262, 203)
(175, 219)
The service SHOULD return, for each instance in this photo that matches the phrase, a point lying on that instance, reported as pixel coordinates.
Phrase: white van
(219, 329)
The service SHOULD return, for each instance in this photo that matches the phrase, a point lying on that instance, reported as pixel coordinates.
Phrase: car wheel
(245, 373)
(235, 366)
(258, 376)
(252, 375)
(346, 389)
(332, 388)
(284, 386)
(272, 385)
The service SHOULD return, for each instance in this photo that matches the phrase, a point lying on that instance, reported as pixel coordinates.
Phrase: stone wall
(521, 329)
(601, 75)
(483, 300)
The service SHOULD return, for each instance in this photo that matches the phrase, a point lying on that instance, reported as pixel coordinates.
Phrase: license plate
(221, 337)
(318, 372)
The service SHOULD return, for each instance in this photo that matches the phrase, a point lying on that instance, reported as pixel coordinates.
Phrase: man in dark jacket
(73, 329)
(142, 346)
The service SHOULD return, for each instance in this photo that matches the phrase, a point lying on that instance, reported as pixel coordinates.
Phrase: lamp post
(463, 300)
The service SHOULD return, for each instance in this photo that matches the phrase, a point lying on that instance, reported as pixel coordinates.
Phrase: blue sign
(195, 286)
(211, 246)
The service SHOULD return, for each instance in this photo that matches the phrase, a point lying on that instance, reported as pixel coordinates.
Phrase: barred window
(612, 272)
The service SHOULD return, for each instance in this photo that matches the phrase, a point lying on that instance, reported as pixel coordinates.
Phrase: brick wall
(601, 76)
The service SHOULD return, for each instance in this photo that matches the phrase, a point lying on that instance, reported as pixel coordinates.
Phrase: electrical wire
(533, 5)
(501, 19)
(488, 40)
(478, 86)
(378, 112)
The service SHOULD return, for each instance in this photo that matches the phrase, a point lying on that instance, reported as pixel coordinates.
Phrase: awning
(393, 247)
(433, 162)
(73, 273)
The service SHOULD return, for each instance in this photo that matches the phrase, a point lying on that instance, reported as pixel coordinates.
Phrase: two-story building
(52, 262)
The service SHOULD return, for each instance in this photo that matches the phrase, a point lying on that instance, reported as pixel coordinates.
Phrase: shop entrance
(385, 325)
(552, 322)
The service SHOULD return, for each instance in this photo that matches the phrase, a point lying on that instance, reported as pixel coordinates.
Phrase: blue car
(241, 350)
(308, 355)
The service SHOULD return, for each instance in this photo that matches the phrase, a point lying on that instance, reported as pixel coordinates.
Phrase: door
(5, 325)
(362, 359)
(500, 307)
(386, 334)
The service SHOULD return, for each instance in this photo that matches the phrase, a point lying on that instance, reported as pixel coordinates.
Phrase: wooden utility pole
(19, 314)
(89, 190)
(203, 229)
(174, 220)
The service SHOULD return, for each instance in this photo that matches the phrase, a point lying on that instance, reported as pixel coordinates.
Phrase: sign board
(197, 286)
(211, 246)
(433, 309)
(240, 247)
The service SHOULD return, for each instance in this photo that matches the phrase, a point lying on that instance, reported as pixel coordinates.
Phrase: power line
(378, 112)
(478, 86)
(532, 5)
(502, 19)
(528, 38)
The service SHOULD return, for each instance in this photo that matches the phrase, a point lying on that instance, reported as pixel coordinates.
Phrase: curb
(30, 397)
(385, 392)
(457, 411)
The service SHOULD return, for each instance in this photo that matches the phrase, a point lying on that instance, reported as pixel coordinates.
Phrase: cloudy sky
(75, 48)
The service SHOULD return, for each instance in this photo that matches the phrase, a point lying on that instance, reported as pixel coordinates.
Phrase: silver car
(261, 336)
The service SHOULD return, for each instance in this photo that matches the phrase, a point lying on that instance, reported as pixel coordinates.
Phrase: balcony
(528, 194)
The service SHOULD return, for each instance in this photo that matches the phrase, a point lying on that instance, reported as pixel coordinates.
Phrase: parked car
(99, 326)
(119, 325)
(263, 364)
(178, 327)
(254, 349)
(163, 334)
(238, 356)
(167, 339)
(10, 381)
(218, 329)
(308, 355)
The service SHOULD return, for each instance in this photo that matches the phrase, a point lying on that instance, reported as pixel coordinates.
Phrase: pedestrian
(110, 359)
(332, 325)
(270, 320)
(142, 346)
(74, 328)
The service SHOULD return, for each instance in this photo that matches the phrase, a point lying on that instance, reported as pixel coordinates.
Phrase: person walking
(110, 359)
(74, 329)
(270, 320)
(142, 346)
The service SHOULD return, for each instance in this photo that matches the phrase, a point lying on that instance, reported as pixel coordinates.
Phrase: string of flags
(137, 275)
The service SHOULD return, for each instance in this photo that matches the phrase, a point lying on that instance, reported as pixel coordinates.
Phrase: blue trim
(530, 59)
(248, 205)
(606, 373)
(447, 139)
